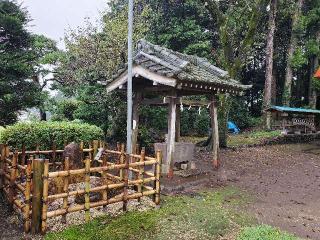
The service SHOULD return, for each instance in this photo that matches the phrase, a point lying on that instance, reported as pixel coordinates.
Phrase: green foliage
(206, 216)
(16, 63)
(45, 133)
(64, 109)
(1, 133)
(264, 232)
(299, 59)
(241, 115)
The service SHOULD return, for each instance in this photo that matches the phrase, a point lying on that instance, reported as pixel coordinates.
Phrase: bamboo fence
(26, 173)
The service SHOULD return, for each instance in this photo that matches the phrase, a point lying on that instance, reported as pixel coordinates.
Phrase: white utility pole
(129, 88)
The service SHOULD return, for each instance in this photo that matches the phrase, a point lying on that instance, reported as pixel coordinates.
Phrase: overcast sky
(52, 17)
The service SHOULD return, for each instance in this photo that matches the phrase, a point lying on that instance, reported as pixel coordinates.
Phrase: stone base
(183, 154)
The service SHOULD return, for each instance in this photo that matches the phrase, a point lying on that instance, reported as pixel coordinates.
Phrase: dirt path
(284, 181)
(10, 227)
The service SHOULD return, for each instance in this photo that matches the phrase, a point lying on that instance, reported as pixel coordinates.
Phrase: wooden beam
(166, 101)
(155, 77)
(215, 132)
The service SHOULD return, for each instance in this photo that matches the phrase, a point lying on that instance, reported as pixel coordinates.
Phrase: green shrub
(1, 133)
(45, 133)
(264, 232)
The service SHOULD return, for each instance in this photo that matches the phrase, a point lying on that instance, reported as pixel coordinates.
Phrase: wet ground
(283, 180)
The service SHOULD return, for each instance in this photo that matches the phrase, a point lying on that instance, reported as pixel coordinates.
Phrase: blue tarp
(232, 127)
(290, 109)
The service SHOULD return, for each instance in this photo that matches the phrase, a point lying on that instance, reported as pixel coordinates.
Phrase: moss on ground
(204, 215)
(248, 138)
(264, 232)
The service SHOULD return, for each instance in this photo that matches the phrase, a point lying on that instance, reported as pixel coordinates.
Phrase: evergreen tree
(17, 90)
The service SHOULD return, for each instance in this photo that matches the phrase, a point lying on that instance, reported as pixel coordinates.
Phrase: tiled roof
(184, 68)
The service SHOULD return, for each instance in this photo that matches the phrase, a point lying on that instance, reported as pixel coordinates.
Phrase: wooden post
(122, 160)
(13, 176)
(87, 190)
(178, 123)
(45, 196)
(104, 177)
(171, 135)
(125, 181)
(141, 172)
(27, 197)
(135, 119)
(2, 165)
(37, 180)
(215, 132)
(157, 174)
(65, 190)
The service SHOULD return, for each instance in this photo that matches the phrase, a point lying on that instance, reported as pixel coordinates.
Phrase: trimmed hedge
(45, 133)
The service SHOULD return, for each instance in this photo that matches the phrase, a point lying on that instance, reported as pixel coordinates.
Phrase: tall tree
(237, 24)
(17, 90)
(269, 61)
(291, 49)
(46, 54)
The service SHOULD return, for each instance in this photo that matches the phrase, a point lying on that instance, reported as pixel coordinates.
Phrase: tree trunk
(269, 63)
(313, 67)
(43, 114)
(292, 46)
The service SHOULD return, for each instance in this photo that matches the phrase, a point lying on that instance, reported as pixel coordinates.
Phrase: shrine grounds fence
(25, 177)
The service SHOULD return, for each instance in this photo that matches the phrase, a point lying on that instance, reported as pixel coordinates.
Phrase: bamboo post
(119, 150)
(37, 180)
(122, 160)
(13, 176)
(27, 197)
(95, 147)
(2, 164)
(157, 175)
(54, 154)
(141, 172)
(81, 149)
(125, 180)
(23, 161)
(37, 150)
(104, 178)
(23, 155)
(45, 196)
(87, 190)
(91, 151)
(65, 190)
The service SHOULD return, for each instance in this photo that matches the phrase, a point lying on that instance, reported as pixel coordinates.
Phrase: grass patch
(248, 138)
(264, 232)
(206, 215)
